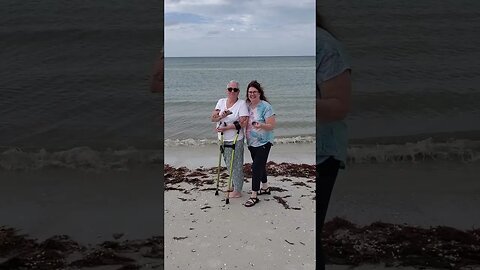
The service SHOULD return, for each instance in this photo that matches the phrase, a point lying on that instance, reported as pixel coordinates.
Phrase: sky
(239, 28)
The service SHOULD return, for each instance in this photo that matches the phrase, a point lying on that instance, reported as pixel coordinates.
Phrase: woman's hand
(225, 114)
(269, 125)
(216, 116)
(222, 128)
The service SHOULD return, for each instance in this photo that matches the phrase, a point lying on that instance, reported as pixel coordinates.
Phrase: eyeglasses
(230, 89)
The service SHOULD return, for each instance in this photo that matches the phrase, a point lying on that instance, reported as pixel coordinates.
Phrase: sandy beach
(203, 232)
(412, 210)
(370, 226)
(73, 219)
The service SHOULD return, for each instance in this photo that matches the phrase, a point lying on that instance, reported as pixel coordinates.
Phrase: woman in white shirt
(231, 114)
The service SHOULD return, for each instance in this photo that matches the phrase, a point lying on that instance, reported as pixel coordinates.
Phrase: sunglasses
(230, 89)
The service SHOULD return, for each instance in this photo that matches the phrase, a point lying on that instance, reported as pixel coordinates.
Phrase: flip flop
(251, 202)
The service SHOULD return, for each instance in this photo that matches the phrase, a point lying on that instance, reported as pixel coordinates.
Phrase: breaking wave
(424, 150)
(80, 158)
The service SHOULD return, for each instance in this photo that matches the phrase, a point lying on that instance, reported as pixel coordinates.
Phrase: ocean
(414, 127)
(193, 85)
(75, 81)
(416, 82)
(75, 78)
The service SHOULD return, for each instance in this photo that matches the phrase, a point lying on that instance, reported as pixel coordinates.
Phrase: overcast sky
(239, 27)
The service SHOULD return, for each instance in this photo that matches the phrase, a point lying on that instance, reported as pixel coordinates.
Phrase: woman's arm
(157, 83)
(243, 121)
(269, 123)
(335, 102)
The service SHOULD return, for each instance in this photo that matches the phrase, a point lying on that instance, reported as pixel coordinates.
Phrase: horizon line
(239, 56)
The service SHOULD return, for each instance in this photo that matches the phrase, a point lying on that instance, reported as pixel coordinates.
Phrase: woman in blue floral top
(332, 105)
(259, 133)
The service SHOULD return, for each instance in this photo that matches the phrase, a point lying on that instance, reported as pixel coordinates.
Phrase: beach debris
(111, 245)
(435, 247)
(207, 189)
(289, 242)
(180, 237)
(155, 252)
(281, 201)
(62, 244)
(278, 189)
(291, 170)
(174, 176)
(175, 188)
(101, 257)
(61, 252)
(300, 184)
(130, 267)
(196, 173)
(117, 236)
(208, 182)
(205, 207)
(185, 199)
(9, 239)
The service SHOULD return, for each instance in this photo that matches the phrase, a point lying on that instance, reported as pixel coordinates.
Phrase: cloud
(259, 27)
(213, 32)
(174, 18)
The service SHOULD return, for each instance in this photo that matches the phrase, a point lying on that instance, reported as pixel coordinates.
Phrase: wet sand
(424, 194)
(81, 219)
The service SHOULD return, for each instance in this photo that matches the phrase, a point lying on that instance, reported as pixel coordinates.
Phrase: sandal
(251, 202)
(264, 191)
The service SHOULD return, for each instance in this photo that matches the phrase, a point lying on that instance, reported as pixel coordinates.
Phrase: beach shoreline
(206, 156)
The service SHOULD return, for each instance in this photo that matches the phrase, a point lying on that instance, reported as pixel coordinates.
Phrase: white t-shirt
(238, 109)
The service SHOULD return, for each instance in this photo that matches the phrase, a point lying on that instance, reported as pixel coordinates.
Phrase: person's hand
(256, 125)
(225, 114)
(222, 128)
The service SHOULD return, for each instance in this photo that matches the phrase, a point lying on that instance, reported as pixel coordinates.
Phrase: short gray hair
(235, 82)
